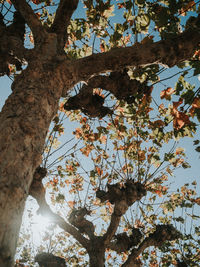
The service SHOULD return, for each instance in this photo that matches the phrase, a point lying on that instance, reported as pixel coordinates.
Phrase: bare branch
(38, 192)
(72, 231)
(62, 18)
(31, 19)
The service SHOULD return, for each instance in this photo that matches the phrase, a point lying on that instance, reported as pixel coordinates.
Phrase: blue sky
(193, 157)
(181, 176)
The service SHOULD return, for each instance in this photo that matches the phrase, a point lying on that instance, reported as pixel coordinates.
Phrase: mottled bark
(28, 111)
(25, 120)
(97, 258)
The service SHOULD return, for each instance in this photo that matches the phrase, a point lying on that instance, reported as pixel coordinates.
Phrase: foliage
(94, 159)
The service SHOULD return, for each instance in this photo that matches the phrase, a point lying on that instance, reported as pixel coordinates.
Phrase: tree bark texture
(27, 113)
(97, 258)
(96, 253)
(25, 120)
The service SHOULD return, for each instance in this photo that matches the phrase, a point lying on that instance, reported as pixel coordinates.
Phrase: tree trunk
(97, 253)
(97, 258)
(25, 119)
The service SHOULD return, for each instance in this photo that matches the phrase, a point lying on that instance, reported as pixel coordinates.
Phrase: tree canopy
(104, 99)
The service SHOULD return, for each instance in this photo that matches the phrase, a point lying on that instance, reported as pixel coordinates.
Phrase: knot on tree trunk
(128, 89)
(122, 196)
(164, 232)
(49, 260)
(40, 173)
(90, 104)
(118, 83)
(181, 263)
(136, 236)
(123, 242)
(129, 192)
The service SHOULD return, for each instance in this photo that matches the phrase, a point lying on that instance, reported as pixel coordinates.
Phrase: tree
(52, 67)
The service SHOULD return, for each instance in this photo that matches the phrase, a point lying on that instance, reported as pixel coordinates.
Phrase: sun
(36, 224)
(41, 223)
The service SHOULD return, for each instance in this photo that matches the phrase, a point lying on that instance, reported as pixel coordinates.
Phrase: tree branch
(31, 19)
(89, 103)
(165, 52)
(114, 223)
(71, 230)
(77, 219)
(123, 242)
(38, 192)
(62, 19)
(48, 259)
(157, 238)
(118, 83)
(122, 198)
(136, 252)
(12, 49)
